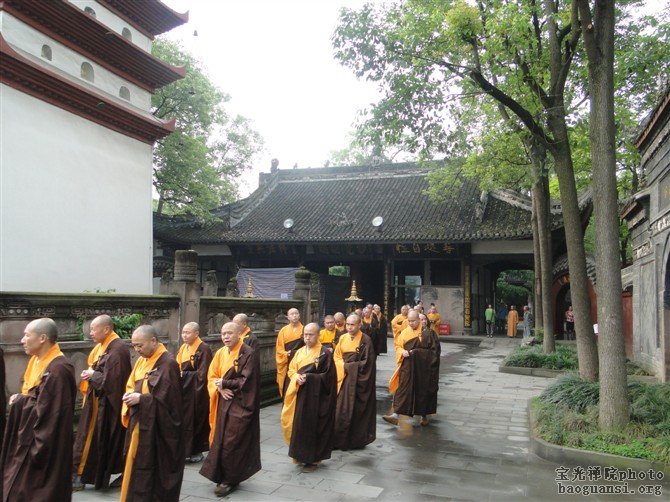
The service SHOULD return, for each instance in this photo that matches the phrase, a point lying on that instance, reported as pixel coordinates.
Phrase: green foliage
(567, 414)
(125, 325)
(195, 168)
(572, 392)
(524, 356)
(514, 287)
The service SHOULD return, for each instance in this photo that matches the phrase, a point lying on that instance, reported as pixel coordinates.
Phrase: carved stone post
(184, 285)
(302, 291)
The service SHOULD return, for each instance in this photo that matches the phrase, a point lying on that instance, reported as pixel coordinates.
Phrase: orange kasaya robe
(405, 336)
(398, 323)
(289, 340)
(512, 321)
(142, 366)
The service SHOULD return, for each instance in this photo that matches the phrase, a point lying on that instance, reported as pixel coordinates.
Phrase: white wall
(75, 202)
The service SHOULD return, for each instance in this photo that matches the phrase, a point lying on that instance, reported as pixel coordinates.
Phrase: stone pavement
(475, 448)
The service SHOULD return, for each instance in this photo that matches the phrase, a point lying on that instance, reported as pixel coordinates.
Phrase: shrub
(126, 324)
(573, 392)
(563, 358)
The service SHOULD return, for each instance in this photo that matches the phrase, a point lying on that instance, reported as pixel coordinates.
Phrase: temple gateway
(374, 225)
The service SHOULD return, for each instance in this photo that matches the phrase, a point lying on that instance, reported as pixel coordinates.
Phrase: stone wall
(184, 303)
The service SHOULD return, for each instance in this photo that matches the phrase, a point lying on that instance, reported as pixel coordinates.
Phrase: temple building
(76, 80)
(648, 218)
(374, 225)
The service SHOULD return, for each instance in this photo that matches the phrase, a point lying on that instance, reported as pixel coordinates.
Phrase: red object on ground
(445, 329)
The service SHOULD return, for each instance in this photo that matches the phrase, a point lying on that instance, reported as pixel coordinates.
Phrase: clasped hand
(226, 394)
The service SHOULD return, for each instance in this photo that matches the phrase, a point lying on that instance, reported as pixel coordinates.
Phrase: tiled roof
(338, 205)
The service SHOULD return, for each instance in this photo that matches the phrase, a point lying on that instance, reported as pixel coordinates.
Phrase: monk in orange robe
(328, 336)
(194, 357)
(399, 322)
(36, 456)
(233, 382)
(512, 321)
(152, 412)
(246, 335)
(289, 340)
(308, 413)
(98, 446)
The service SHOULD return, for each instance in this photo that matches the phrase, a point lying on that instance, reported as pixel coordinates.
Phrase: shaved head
(339, 318)
(146, 332)
(192, 326)
(103, 320)
(44, 326)
(242, 319)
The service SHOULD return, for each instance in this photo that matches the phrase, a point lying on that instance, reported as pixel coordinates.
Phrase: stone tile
(351, 489)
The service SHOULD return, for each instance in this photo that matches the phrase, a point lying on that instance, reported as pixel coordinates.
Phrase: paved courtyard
(475, 448)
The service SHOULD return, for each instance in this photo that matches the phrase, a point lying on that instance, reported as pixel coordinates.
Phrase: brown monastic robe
(235, 450)
(370, 326)
(36, 458)
(99, 443)
(419, 376)
(380, 342)
(289, 340)
(314, 415)
(158, 468)
(355, 417)
(250, 339)
(196, 400)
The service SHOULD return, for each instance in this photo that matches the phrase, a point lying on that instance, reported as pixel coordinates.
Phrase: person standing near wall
(527, 322)
(512, 321)
(489, 317)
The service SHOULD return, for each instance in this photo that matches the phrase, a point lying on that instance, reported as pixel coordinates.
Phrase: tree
(598, 33)
(195, 168)
(519, 54)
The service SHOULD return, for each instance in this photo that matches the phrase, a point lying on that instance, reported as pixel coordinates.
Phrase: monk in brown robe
(246, 335)
(152, 412)
(355, 417)
(370, 326)
(193, 358)
(308, 414)
(340, 321)
(414, 384)
(381, 346)
(328, 336)
(234, 390)
(399, 322)
(98, 445)
(36, 458)
(289, 340)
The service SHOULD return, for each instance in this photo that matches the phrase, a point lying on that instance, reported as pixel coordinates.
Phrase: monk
(434, 319)
(340, 321)
(382, 331)
(355, 417)
(98, 445)
(512, 321)
(399, 322)
(246, 335)
(234, 413)
(193, 358)
(152, 412)
(414, 384)
(328, 336)
(370, 326)
(308, 415)
(289, 340)
(36, 456)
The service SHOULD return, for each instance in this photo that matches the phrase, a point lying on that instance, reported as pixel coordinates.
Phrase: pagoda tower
(76, 142)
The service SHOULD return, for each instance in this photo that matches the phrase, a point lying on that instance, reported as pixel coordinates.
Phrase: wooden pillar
(467, 297)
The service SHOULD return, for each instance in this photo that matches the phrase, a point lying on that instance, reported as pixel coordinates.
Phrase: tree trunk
(537, 266)
(159, 207)
(587, 351)
(614, 410)
(541, 205)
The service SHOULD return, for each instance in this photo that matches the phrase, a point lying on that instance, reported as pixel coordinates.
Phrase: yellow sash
(346, 344)
(303, 357)
(36, 367)
(326, 336)
(223, 360)
(186, 351)
(93, 357)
